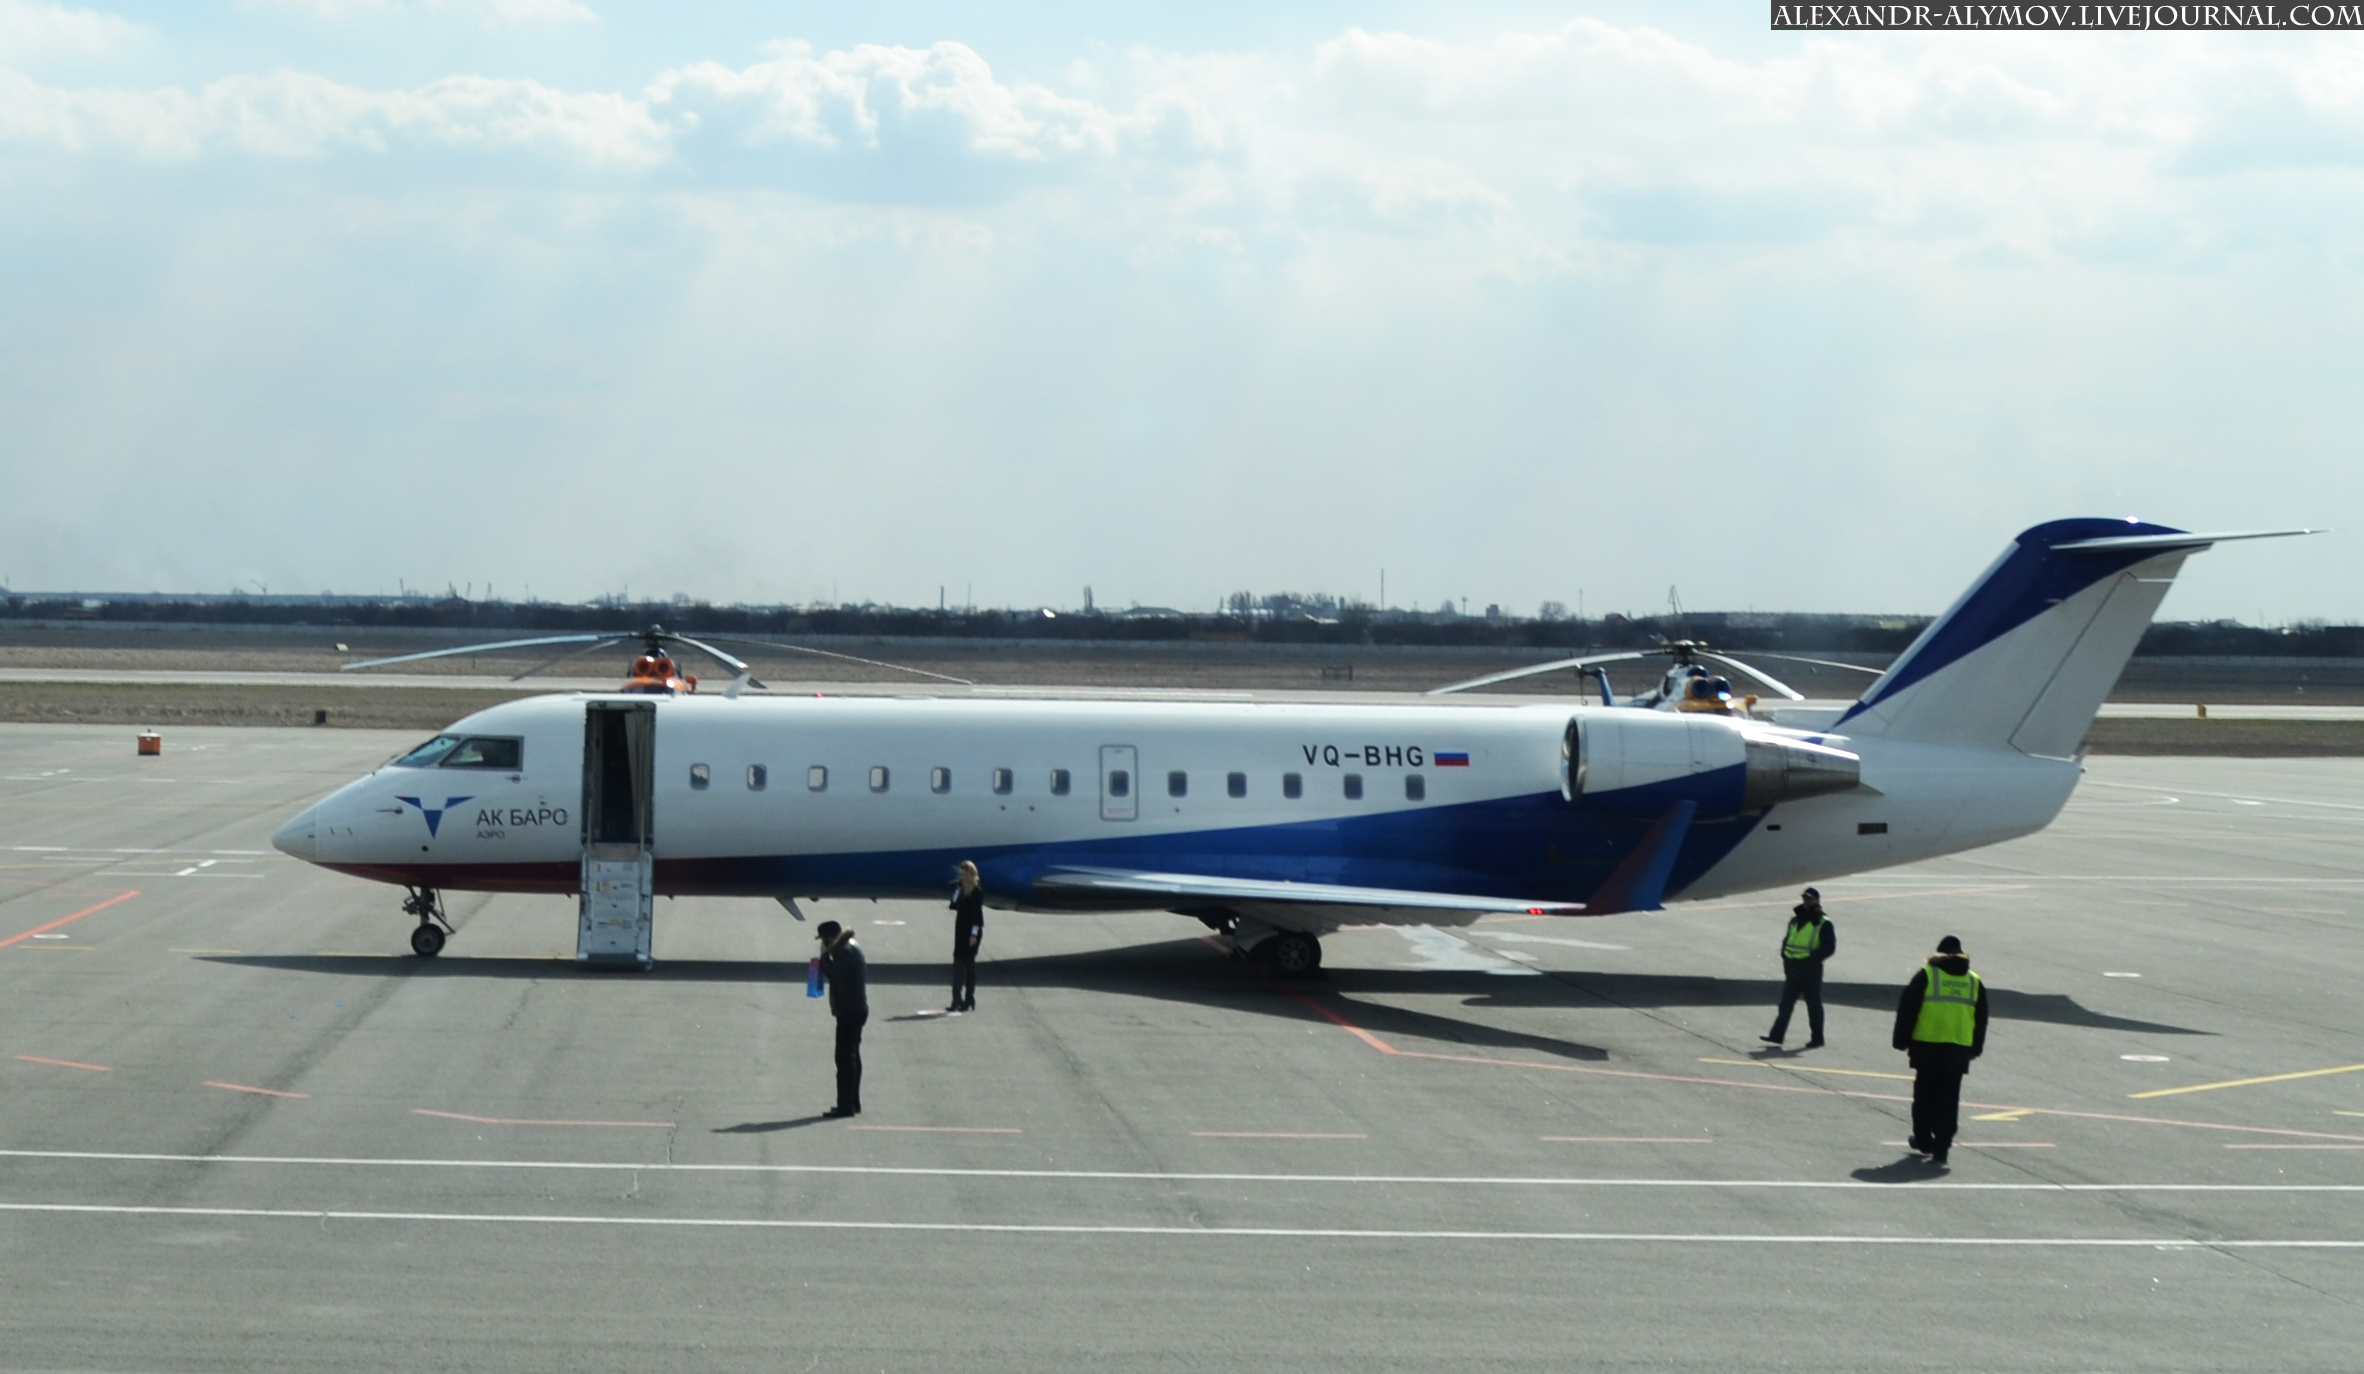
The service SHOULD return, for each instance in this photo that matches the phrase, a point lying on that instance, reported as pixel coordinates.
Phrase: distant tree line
(1276, 619)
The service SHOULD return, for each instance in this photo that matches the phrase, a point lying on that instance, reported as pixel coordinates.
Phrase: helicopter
(1687, 686)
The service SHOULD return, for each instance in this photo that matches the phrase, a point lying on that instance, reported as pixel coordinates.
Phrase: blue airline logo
(434, 814)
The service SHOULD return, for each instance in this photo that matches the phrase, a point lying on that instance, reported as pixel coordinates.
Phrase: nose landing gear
(427, 904)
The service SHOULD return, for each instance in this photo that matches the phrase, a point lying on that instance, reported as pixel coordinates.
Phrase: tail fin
(2024, 659)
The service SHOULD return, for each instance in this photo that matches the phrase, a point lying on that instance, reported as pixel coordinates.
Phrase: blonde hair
(968, 868)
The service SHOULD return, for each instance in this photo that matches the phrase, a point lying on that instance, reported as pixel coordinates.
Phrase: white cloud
(296, 115)
(1226, 318)
(496, 12)
(32, 29)
(866, 95)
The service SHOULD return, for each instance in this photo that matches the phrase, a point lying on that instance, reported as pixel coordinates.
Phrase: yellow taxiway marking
(2013, 1114)
(1801, 1068)
(2248, 1082)
(2336, 1112)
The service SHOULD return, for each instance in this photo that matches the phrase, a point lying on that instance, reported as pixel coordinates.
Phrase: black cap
(827, 930)
(1812, 894)
(1951, 944)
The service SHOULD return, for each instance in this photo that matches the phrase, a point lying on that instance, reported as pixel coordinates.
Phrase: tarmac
(245, 1129)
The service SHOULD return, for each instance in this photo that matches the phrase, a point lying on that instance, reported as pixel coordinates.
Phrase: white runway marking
(1121, 1175)
(1235, 1232)
(1514, 937)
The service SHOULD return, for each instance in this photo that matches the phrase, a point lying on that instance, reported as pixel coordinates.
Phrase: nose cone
(294, 839)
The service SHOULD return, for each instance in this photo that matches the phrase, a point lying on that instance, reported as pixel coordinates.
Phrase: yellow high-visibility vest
(1949, 1008)
(1802, 940)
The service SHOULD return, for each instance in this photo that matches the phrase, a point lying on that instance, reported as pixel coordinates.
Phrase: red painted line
(245, 1088)
(63, 920)
(1342, 1023)
(65, 1063)
(522, 1121)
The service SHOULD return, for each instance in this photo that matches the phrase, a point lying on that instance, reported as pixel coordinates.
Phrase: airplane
(1274, 823)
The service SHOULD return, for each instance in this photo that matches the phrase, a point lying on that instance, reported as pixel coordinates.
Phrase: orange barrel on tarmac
(151, 744)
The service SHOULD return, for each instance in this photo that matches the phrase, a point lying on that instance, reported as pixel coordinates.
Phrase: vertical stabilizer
(2025, 658)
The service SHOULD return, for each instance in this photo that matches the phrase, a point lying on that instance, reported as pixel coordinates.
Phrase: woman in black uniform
(968, 932)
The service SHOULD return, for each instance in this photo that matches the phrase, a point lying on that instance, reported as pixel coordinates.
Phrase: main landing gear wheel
(427, 941)
(1292, 954)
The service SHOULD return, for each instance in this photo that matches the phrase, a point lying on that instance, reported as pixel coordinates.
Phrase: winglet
(1639, 884)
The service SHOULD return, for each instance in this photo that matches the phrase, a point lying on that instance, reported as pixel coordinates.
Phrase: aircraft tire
(1293, 955)
(427, 941)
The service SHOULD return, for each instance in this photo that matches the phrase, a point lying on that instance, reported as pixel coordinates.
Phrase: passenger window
(758, 777)
(700, 775)
(878, 779)
(1177, 784)
(1354, 787)
(479, 751)
(816, 779)
(1415, 787)
(1292, 785)
(1236, 784)
(1003, 780)
(429, 754)
(939, 779)
(1120, 783)
(1059, 782)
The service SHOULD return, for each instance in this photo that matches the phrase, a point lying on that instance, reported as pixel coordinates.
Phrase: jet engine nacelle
(1645, 760)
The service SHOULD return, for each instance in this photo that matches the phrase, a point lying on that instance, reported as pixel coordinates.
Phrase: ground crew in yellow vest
(1805, 945)
(1941, 1023)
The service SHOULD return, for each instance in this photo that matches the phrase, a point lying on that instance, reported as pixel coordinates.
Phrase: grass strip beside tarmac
(169, 704)
(2265, 739)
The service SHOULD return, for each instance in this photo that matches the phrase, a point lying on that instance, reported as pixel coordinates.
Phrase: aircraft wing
(1193, 887)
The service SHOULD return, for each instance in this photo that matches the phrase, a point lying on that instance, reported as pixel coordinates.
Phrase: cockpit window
(486, 751)
(429, 754)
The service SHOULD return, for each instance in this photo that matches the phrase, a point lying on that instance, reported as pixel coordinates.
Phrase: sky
(1509, 302)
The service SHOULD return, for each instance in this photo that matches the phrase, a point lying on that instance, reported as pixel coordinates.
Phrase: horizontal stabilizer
(2163, 542)
(1193, 887)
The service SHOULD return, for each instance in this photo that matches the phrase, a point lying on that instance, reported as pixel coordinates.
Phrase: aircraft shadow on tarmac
(1184, 971)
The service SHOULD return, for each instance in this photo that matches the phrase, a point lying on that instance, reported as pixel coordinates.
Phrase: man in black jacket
(1941, 1023)
(968, 932)
(847, 973)
(1806, 945)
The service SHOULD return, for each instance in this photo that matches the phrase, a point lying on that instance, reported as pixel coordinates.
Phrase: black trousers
(964, 978)
(849, 1061)
(1797, 982)
(1937, 1105)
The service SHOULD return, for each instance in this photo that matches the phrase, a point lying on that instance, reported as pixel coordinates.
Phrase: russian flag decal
(1444, 760)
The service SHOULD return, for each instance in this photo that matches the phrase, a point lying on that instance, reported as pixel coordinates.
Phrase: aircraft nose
(294, 839)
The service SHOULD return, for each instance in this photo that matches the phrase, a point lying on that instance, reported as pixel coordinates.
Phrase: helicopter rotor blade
(472, 649)
(1826, 663)
(708, 650)
(1759, 674)
(1512, 674)
(845, 658)
(571, 653)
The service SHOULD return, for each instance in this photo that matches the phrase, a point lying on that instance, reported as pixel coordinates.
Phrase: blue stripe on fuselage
(1534, 846)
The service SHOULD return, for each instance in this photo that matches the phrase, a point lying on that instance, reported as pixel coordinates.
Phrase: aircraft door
(1120, 782)
(619, 832)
